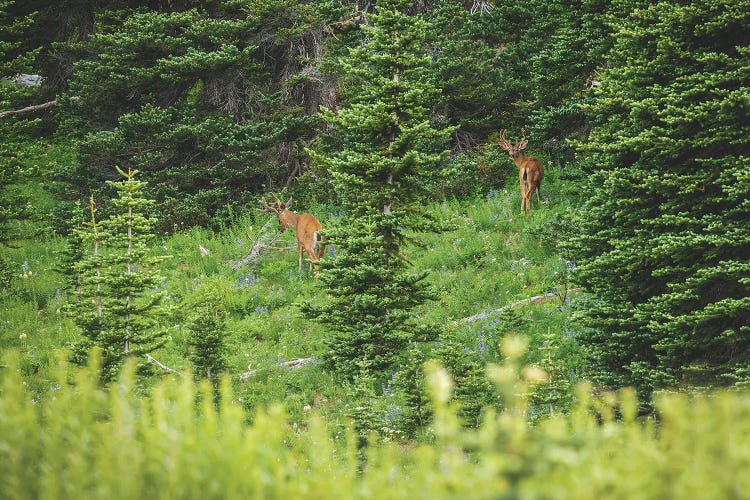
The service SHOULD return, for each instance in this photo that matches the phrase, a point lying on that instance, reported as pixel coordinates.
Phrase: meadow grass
(490, 256)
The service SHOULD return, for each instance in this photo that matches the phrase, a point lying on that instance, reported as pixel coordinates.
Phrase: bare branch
(294, 363)
(31, 109)
(259, 246)
(537, 299)
(164, 367)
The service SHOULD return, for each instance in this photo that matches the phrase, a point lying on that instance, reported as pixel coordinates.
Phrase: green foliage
(192, 100)
(475, 102)
(411, 382)
(547, 59)
(663, 241)
(90, 441)
(13, 58)
(207, 333)
(386, 149)
(555, 391)
(473, 391)
(117, 298)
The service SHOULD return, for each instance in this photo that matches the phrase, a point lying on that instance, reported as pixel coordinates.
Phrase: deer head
(514, 150)
(281, 211)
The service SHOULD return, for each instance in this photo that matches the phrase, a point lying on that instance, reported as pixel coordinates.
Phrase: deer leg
(299, 250)
(526, 203)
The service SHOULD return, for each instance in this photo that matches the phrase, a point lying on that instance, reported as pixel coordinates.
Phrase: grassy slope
(493, 256)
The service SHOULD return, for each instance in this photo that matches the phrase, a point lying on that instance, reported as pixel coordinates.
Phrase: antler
(267, 208)
(279, 204)
(503, 142)
(523, 142)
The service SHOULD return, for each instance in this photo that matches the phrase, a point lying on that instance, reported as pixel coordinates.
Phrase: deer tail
(526, 179)
(318, 243)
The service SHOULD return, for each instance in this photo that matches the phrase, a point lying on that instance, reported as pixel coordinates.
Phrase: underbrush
(93, 442)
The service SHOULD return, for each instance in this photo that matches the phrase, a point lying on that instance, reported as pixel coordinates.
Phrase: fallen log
(161, 365)
(294, 363)
(537, 299)
(259, 246)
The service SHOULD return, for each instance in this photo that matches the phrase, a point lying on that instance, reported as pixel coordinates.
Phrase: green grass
(490, 257)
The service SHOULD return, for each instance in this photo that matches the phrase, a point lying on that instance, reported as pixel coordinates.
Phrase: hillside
(490, 257)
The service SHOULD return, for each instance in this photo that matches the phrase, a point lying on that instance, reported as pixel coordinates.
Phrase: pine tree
(555, 395)
(207, 327)
(118, 303)
(208, 103)
(383, 152)
(475, 96)
(410, 380)
(664, 243)
(13, 206)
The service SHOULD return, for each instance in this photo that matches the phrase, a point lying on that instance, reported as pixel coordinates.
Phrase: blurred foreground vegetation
(92, 442)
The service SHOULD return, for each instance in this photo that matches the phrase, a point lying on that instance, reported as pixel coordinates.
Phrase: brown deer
(306, 228)
(530, 169)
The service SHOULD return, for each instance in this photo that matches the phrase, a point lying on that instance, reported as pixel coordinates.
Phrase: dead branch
(537, 299)
(31, 109)
(295, 363)
(258, 248)
(164, 367)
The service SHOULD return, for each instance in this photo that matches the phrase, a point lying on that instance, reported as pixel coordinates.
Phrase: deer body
(306, 229)
(530, 170)
(530, 173)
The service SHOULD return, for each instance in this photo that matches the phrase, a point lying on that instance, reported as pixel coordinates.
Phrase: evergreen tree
(664, 243)
(474, 392)
(207, 103)
(12, 61)
(75, 247)
(410, 380)
(555, 395)
(13, 58)
(118, 303)
(383, 151)
(207, 327)
(475, 97)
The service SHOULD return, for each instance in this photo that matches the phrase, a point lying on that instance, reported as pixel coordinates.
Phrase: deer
(530, 169)
(306, 228)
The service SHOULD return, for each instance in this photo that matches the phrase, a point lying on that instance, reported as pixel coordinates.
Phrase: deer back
(530, 172)
(307, 234)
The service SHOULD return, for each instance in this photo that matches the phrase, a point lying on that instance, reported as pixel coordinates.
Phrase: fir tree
(383, 152)
(13, 60)
(664, 243)
(410, 380)
(118, 302)
(555, 395)
(207, 327)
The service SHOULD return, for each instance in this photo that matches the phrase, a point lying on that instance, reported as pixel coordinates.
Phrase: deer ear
(523, 144)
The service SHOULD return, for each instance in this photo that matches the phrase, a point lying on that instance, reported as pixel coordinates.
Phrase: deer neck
(519, 159)
(291, 219)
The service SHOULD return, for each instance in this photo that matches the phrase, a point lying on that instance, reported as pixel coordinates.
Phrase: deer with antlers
(530, 169)
(306, 228)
